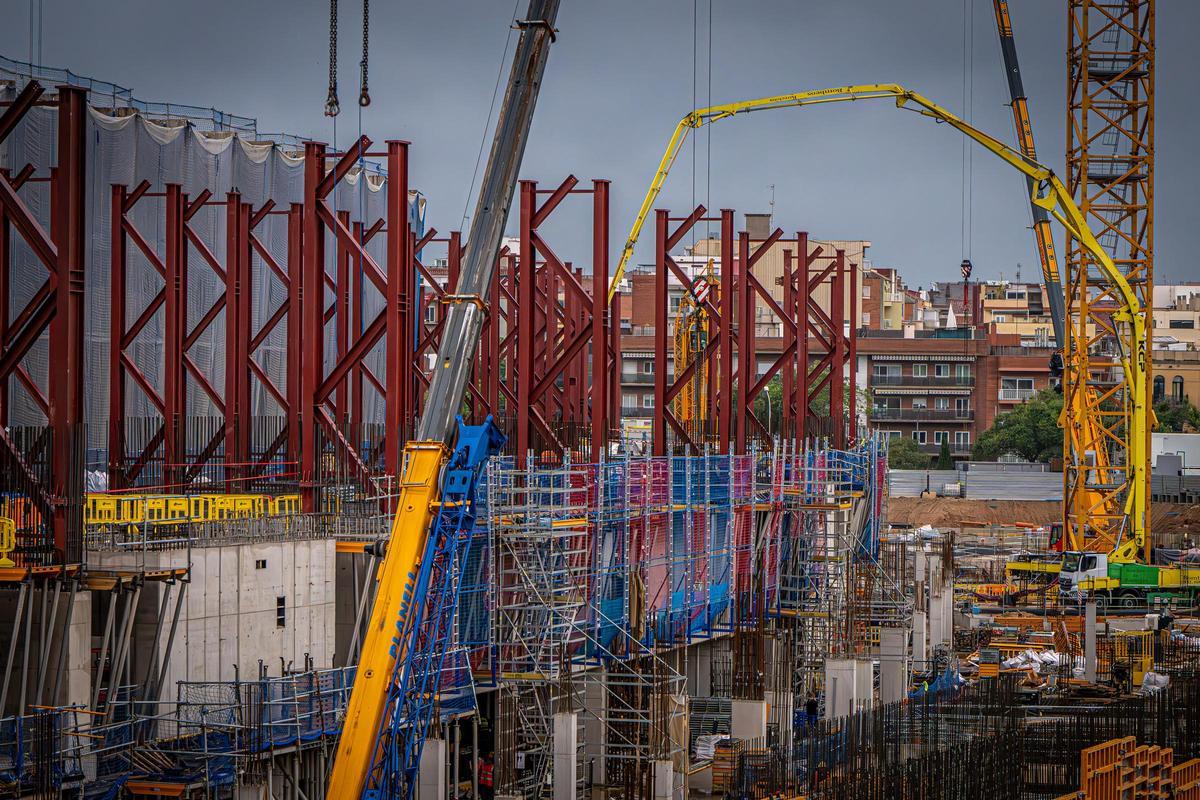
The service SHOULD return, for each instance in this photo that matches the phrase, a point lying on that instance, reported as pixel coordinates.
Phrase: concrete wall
(230, 619)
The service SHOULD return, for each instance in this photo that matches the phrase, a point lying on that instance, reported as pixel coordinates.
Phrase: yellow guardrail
(137, 509)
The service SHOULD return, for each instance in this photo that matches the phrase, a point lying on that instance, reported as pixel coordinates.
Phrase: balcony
(929, 381)
(1016, 395)
(922, 414)
(639, 378)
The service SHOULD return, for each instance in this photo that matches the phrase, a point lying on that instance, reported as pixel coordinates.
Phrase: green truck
(1128, 585)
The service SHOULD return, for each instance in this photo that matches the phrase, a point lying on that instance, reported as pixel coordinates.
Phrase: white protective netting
(128, 145)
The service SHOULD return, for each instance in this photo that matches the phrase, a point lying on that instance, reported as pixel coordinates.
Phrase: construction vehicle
(411, 623)
(691, 339)
(1113, 583)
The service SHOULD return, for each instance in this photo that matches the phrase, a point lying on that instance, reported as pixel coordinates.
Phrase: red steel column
(746, 367)
(341, 321)
(525, 319)
(355, 284)
(838, 337)
(237, 338)
(175, 335)
(116, 336)
(397, 378)
(789, 342)
(295, 324)
(852, 358)
(804, 297)
(312, 290)
(661, 303)
(66, 329)
(725, 409)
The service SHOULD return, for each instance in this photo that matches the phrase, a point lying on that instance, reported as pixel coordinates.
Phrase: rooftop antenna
(772, 215)
(1018, 272)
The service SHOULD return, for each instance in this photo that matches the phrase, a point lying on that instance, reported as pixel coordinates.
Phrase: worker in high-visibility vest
(487, 788)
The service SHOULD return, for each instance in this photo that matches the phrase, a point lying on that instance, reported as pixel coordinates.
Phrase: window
(1179, 324)
(647, 401)
(866, 319)
(920, 403)
(940, 436)
(280, 612)
(920, 370)
(887, 403)
(941, 403)
(962, 439)
(891, 434)
(962, 371)
(919, 437)
(648, 367)
(941, 370)
(866, 292)
(1177, 388)
(962, 406)
(1160, 388)
(260, 563)
(431, 313)
(1019, 389)
(629, 400)
(885, 371)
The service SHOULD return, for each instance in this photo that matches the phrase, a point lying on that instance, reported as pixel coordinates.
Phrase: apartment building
(946, 385)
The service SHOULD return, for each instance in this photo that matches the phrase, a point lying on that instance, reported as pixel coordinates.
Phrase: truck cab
(1079, 567)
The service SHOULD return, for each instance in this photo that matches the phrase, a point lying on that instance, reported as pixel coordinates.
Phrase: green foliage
(904, 453)
(1177, 417)
(944, 461)
(1030, 431)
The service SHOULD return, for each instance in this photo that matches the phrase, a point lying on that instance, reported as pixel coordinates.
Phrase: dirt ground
(951, 512)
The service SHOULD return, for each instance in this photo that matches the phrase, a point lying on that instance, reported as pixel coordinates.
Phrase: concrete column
(566, 741)
(839, 687)
(75, 688)
(431, 777)
(1089, 641)
(664, 782)
(893, 664)
(864, 685)
(593, 726)
(781, 707)
(920, 646)
(749, 719)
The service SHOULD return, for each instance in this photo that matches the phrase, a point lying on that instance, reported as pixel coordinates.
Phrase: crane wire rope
(487, 122)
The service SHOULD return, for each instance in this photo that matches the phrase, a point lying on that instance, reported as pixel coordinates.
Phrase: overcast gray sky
(621, 75)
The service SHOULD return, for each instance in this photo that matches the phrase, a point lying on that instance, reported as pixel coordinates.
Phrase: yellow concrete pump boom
(1047, 192)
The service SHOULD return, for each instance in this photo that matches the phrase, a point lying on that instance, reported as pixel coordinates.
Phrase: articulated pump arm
(1047, 192)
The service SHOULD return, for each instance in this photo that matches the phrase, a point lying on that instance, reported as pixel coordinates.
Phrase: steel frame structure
(558, 318)
(56, 310)
(1110, 172)
(394, 324)
(817, 347)
(173, 266)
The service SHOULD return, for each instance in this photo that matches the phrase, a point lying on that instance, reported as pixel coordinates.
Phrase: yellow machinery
(691, 337)
(1126, 317)
(8, 541)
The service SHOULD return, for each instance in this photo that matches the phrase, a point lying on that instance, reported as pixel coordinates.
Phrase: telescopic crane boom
(394, 689)
(1041, 220)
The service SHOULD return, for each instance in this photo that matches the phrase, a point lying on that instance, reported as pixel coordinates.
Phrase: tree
(1176, 417)
(944, 461)
(1030, 431)
(904, 453)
